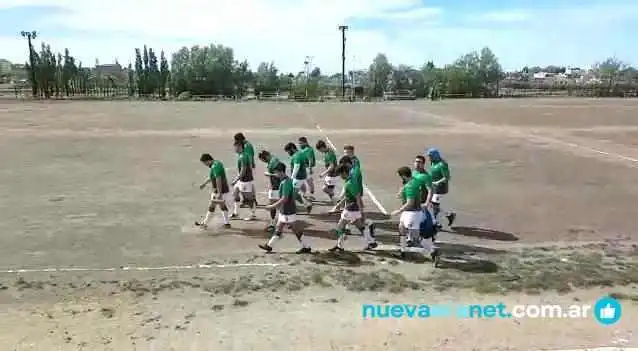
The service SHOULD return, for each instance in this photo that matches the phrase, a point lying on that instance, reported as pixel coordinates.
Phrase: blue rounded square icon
(607, 310)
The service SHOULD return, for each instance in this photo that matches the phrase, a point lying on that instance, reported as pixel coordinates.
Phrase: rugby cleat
(304, 250)
(265, 247)
(436, 257)
(371, 246)
(450, 218)
(336, 249)
(372, 229)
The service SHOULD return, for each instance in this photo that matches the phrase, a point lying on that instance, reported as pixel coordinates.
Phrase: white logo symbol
(607, 312)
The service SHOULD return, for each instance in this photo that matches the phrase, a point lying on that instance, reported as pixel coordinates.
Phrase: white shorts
(286, 219)
(411, 220)
(436, 198)
(350, 216)
(226, 197)
(244, 187)
(330, 181)
(273, 194)
(299, 183)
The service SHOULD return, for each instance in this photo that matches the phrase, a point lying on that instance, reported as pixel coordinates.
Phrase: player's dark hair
(303, 140)
(420, 158)
(404, 172)
(205, 157)
(239, 137)
(280, 167)
(263, 154)
(320, 144)
(290, 147)
(343, 169)
(349, 148)
(345, 160)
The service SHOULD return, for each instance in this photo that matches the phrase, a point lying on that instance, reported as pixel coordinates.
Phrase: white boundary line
(602, 349)
(332, 145)
(524, 134)
(138, 269)
(365, 187)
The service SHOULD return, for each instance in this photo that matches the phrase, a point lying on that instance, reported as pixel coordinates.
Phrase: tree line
(213, 70)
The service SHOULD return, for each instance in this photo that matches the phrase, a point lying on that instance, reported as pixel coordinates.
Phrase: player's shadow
(468, 264)
(262, 233)
(483, 233)
(468, 258)
(345, 258)
(455, 256)
(322, 203)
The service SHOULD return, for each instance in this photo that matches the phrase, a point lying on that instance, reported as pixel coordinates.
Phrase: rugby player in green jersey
(248, 147)
(351, 213)
(423, 177)
(305, 147)
(440, 172)
(355, 172)
(287, 209)
(354, 181)
(271, 162)
(220, 196)
(250, 150)
(243, 184)
(329, 175)
(299, 173)
(421, 174)
(411, 213)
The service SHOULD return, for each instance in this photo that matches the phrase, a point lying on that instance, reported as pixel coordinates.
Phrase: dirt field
(97, 202)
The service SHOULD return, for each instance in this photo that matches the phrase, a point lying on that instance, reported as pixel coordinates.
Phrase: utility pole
(343, 60)
(29, 36)
(307, 63)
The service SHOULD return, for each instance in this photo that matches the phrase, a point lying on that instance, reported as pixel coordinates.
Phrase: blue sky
(520, 32)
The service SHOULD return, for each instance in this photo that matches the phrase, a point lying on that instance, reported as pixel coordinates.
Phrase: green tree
(139, 73)
(267, 78)
(379, 75)
(609, 72)
(69, 73)
(154, 78)
(131, 80)
(164, 74)
(207, 70)
(243, 78)
(490, 72)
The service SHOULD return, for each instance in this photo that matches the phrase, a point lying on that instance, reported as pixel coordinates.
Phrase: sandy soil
(97, 201)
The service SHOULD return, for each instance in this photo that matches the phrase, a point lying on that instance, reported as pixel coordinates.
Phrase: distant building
(114, 70)
(5, 67)
(543, 75)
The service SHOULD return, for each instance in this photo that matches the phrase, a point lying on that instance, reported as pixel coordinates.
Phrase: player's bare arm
(204, 184)
(360, 202)
(409, 203)
(340, 202)
(327, 170)
(428, 198)
(277, 204)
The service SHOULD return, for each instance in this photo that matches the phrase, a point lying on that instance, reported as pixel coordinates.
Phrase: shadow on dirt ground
(483, 233)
